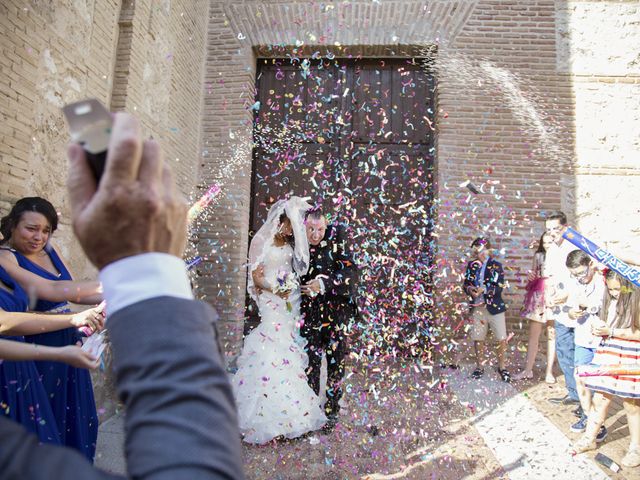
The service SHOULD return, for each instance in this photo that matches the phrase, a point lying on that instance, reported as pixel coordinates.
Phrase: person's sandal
(478, 372)
(550, 379)
(505, 375)
(632, 458)
(584, 444)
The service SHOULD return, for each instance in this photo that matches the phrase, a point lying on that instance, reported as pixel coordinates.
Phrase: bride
(270, 386)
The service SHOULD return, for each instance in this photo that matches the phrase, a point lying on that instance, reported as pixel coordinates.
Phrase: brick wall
(51, 55)
(528, 103)
(509, 128)
(226, 160)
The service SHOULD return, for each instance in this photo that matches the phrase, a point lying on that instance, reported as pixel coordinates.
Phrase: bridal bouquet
(286, 282)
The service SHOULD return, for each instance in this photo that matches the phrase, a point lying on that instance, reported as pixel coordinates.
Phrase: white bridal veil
(295, 208)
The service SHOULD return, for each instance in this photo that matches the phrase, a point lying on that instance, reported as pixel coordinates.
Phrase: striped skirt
(615, 351)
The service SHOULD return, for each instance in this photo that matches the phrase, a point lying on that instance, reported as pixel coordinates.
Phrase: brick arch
(396, 22)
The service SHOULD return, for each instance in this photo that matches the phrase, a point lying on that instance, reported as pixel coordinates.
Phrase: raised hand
(136, 208)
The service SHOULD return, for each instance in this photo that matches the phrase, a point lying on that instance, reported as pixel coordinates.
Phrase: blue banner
(630, 273)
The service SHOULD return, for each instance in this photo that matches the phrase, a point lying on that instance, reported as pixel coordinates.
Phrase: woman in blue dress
(22, 395)
(27, 230)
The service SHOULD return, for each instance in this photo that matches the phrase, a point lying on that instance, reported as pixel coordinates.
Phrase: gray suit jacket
(180, 415)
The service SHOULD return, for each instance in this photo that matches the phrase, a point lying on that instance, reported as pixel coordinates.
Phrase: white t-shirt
(558, 278)
(590, 296)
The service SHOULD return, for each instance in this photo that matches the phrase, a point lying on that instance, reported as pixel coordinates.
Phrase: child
(583, 308)
(484, 281)
(534, 310)
(620, 329)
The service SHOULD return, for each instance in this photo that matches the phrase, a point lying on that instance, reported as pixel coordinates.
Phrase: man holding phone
(556, 294)
(180, 414)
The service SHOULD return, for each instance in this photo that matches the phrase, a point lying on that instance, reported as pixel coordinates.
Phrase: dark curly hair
(288, 239)
(27, 204)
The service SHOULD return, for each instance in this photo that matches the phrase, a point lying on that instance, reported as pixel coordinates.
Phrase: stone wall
(146, 57)
(598, 50)
(59, 52)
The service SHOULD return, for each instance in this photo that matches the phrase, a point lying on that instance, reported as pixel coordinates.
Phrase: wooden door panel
(371, 104)
(303, 169)
(413, 94)
(392, 104)
(357, 136)
(391, 174)
(324, 93)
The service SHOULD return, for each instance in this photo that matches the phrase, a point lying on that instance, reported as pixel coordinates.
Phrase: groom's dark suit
(327, 316)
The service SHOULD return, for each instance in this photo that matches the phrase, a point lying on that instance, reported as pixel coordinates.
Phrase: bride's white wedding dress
(270, 386)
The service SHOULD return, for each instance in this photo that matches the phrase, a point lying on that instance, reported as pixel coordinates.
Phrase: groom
(327, 307)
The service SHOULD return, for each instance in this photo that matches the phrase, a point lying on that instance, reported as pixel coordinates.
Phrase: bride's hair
(290, 239)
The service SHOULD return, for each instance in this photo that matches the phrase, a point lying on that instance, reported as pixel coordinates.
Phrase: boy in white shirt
(586, 291)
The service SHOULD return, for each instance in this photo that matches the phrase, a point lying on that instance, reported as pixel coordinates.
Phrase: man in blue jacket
(484, 281)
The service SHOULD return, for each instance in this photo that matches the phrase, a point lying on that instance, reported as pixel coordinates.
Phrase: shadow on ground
(398, 421)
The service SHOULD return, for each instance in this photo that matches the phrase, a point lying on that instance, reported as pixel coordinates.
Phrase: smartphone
(90, 126)
(607, 462)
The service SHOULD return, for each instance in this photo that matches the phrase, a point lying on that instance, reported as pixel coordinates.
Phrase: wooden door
(357, 136)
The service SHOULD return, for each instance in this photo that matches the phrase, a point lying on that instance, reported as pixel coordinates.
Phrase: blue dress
(70, 389)
(22, 395)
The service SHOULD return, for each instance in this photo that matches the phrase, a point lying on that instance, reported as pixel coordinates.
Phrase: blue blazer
(493, 283)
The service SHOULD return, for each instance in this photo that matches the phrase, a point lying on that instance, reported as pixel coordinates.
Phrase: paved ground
(615, 445)
(110, 449)
(400, 421)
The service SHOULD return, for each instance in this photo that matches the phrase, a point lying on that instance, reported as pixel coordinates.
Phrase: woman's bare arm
(84, 292)
(71, 354)
(27, 323)
(625, 333)
(258, 278)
